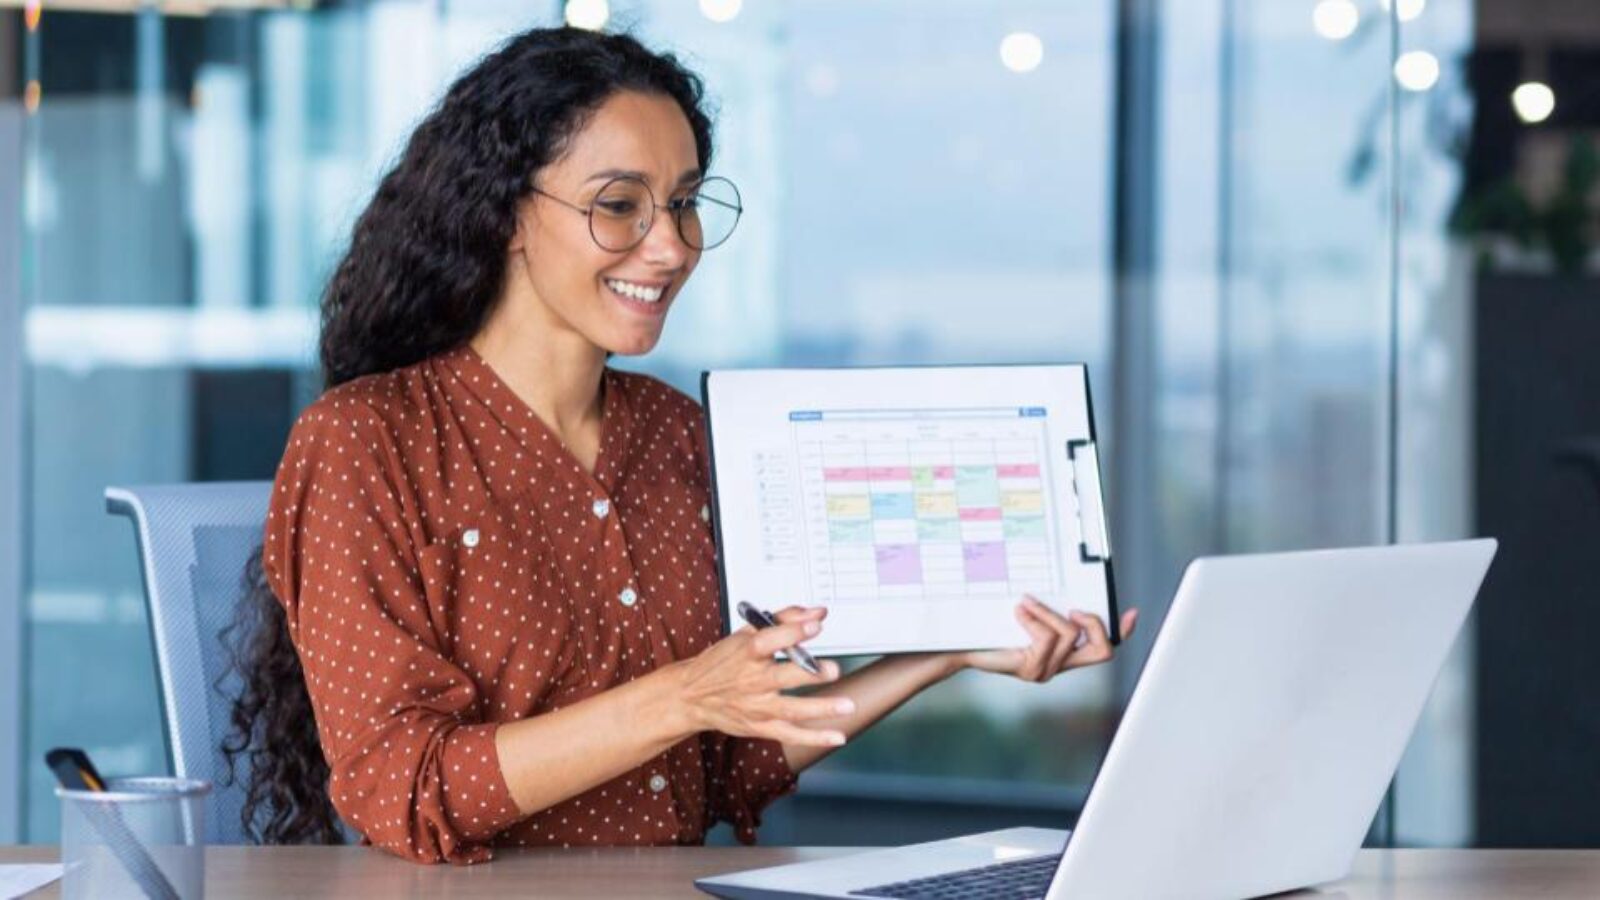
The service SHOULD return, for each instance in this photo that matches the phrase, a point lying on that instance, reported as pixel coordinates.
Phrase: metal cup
(140, 838)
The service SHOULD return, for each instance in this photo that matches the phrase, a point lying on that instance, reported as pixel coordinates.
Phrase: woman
(491, 551)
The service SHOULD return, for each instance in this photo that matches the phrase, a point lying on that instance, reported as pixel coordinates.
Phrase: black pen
(759, 619)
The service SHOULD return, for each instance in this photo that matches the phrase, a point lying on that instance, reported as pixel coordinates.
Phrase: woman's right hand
(735, 686)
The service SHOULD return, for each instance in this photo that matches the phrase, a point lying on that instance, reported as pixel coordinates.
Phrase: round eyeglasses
(624, 209)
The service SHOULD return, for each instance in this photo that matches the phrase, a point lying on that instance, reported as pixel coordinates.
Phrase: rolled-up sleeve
(414, 764)
(743, 776)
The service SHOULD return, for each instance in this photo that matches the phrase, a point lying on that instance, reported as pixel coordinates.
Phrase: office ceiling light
(1534, 101)
(721, 10)
(1407, 9)
(1335, 19)
(1417, 70)
(590, 15)
(1021, 51)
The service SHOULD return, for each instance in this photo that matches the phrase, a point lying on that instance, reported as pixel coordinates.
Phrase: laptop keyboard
(1022, 879)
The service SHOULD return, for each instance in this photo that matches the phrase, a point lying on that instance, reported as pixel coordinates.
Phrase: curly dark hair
(424, 266)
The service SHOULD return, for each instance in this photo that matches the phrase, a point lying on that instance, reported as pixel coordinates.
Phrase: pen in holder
(129, 837)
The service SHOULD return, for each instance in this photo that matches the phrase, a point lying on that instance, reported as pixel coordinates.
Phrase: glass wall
(1244, 228)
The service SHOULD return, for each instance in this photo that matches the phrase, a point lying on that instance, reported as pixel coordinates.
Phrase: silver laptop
(1269, 718)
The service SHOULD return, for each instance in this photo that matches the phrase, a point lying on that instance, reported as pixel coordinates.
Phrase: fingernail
(836, 739)
(812, 628)
(845, 706)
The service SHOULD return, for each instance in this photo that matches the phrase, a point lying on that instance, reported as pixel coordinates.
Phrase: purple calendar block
(985, 560)
(899, 564)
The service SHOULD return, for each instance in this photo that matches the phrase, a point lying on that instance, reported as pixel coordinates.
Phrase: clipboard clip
(1095, 543)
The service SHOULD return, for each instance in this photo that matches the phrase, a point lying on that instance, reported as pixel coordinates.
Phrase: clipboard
(917, 503)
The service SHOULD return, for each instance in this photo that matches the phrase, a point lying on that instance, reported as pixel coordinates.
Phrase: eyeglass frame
(675, 207)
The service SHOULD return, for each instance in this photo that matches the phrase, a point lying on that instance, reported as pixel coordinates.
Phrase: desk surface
(274, 872)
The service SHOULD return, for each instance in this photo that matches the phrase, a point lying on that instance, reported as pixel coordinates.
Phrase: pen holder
(140, 838)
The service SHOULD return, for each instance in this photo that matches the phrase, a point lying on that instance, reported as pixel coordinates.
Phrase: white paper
(917, 504)
(17, 880)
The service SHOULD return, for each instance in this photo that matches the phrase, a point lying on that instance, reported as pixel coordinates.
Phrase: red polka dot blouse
(447, 565)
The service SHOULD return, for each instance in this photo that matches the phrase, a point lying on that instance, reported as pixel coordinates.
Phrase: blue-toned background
(1237, 212)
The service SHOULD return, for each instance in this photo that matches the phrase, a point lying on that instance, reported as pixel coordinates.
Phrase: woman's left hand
(1055, 647)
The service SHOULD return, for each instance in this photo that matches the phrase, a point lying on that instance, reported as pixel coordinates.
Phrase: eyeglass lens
(623, 210)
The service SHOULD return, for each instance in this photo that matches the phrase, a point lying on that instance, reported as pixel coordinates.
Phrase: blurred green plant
(1565, 225)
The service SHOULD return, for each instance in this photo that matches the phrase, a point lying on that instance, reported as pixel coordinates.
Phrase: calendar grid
(925, 505)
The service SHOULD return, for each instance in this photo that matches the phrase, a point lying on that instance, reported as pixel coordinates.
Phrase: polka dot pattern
(446, 565)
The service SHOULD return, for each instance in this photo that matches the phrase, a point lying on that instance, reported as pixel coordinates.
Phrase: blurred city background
(1331, 264)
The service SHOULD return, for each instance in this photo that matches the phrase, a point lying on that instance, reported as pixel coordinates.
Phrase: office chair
(193, 542)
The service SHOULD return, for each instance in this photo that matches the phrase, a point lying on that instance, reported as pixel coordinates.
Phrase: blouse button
(469, 538)
(628, 597)
(705, 513)
(658, 783)
(602, 508)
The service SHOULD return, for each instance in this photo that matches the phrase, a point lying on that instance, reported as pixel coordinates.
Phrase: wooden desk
(274, 872)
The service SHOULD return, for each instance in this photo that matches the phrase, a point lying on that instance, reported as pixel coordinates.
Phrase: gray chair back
(194, 540)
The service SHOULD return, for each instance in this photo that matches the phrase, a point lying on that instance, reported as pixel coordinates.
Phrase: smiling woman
(488, 572)
(632, 141)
